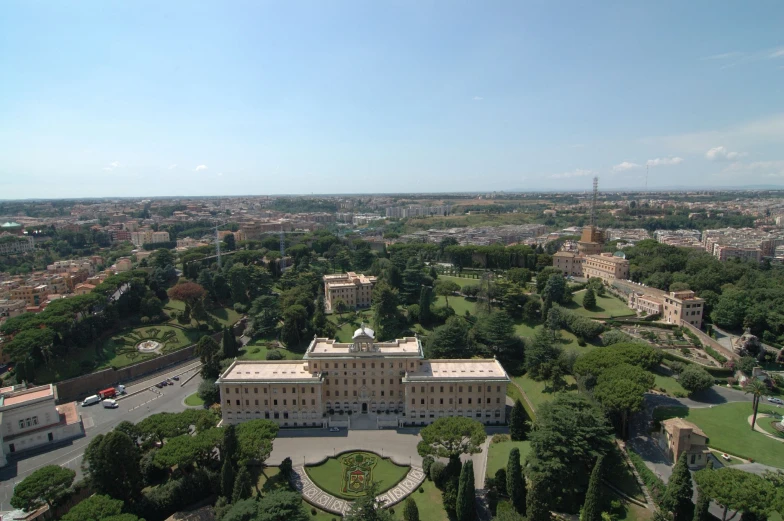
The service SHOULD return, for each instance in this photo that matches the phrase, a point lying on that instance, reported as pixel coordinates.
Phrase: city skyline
(149, 100)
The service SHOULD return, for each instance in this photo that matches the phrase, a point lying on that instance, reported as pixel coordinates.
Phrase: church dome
(364, 331)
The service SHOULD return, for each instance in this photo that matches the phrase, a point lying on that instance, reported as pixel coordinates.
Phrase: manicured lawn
(536, 391)
(767, 425)
(429, 503)
(498, 454)
(459, 304)
(193, 400)
(729, 431)
(269, 479)
(460, 281)
(329, 475)
(567, 340)
(113, 353)
(259, 352)
(350, 322)
(226, 316)
(606, 307)
(669, 384)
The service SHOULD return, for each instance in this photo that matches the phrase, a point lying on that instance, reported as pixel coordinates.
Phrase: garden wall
(705, 339)
(85, 385)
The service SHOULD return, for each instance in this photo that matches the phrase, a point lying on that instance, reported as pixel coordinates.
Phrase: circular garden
(350, 474)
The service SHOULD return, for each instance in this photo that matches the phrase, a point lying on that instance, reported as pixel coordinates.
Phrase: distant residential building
(84, 288)
(750, 244)
(418, 211)
(10, 244)
(678, 436)
(646, 304)
(148, 237)
(32, 295)
(355, 290)
(11, 308)
(681, 238)
(122, 264)
(30, 419)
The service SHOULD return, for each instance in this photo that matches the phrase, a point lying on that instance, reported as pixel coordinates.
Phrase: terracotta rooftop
(680, 423)
(26, 396)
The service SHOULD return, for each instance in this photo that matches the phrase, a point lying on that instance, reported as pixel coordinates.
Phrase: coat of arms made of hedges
(357, 472)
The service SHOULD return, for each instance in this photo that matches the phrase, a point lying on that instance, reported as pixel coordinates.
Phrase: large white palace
(389, 380)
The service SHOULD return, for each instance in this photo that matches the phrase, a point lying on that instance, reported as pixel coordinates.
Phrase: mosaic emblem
(357, 473)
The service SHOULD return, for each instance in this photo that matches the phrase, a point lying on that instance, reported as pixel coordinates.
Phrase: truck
(111, 392)
(90, 400)
(110, 404)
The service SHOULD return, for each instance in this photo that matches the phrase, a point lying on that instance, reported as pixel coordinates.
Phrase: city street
(142, 400)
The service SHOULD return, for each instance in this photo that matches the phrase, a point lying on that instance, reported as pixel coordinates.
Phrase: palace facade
(337, 381)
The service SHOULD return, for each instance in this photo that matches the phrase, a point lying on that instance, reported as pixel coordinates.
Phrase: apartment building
(683, 306)
(355, 290)
(750, 244)
(29, 418)
(32, 295)
(10, 244)
(363, 377)
(605, 266)
(148, 237)
(11, 308)
(123, 264)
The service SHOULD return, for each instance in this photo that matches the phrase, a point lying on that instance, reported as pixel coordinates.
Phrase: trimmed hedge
(715, 354)
(716, 372)
(655, 485)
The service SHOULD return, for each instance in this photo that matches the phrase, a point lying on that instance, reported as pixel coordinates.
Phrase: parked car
(164, 383)
(91, 400)
(726, 457)
(110, 404)
(177, 378)
(159, 385)
(771, 399)
(334, 429)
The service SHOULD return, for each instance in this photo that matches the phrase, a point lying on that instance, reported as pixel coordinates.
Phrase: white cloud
(724, 56)
(173, 166)
(478, 98)
(733, 58)
(778, 53)
(579, 172)
(757, 169)
(626, 165)
(112, 166)
(722, 154)
(664, 161)
(200, 168)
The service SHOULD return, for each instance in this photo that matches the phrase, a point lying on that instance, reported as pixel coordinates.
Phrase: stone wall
(706, 340)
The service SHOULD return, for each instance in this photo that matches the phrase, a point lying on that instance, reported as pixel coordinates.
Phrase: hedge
(655, 485)
(635, 322)
(717, 372)
(715, 354)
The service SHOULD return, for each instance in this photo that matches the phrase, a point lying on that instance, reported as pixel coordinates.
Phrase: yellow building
(355, 290)
(678, 436)
(389, 384)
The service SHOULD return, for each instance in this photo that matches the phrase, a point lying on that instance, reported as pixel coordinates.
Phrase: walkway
(325, 501)
(763, 431)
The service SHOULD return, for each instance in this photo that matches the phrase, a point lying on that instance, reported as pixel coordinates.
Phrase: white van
(120, 389)
(110, 404)
(90, 400)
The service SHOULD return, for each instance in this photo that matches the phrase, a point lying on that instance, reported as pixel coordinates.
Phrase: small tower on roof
(364, 339)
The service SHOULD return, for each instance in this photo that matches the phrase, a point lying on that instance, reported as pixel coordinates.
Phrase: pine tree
(411, 512)
(589, 299)
(243, 485)
(703, 501)
(537, 505)
(677, 498)
(230, 349)
(592, 508)
(515, 482)
(517, 420)
(227, 478)
(466, 494)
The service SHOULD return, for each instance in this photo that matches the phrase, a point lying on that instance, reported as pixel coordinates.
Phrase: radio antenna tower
(282, 249)
(593, 200)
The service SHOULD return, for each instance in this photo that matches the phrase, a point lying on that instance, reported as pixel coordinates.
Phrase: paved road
(98, 420)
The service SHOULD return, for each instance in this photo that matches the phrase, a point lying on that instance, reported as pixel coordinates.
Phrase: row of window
(274, 402)
(28, 422)
(459, 401)
(336, 381)
(274, 390)
(364, 365)
(459, 388)
(432, 414)
(372, 393)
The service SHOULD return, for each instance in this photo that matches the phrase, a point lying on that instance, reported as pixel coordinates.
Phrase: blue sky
(222, 98)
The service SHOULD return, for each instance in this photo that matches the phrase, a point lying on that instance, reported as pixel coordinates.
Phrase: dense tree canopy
(446, 437)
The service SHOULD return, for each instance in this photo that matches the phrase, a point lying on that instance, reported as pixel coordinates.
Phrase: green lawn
(269, 479)
(112, 353)
(566, 339)
(226, 316)
(259, 352)
(669, 384)
(329, 475)
(498, 454)
(349, 322)
(537, 392)
(460, 281)
(429, 503)
(459, 304)
(607, 306)
(193, 400)
(767, 425)
(620, 475)
(729, 431)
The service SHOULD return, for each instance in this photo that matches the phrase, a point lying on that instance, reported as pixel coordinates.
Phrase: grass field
(498, 454)
(112, 353)
(537, 391)
(567, 340)
(349, 322)
(767, 425)
(460, 281)
(329, 475)
(669, 384)
(259, 352)
(606, 307)
(429, 503)
(193, 400)
(226, 316)
(729, 431)
(269, 479)
(459, 304)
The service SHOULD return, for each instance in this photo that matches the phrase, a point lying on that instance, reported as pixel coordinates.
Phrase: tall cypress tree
(703, 501)
(517, 420)
(677, 498)
(515, 482)
(592, 508)
(243, 485)
(229, 448)
(537, 505)
(411, 512)
(466, 494)
(425, 300)
(227, 479)
(230, 349)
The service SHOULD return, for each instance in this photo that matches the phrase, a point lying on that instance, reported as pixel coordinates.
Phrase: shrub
(498, 438)
(274, 355)
(655, 485)
(581, 342)
(421, 490)
(313, 512)
(437, 472)
(240, 308)
(694, 378)
(715, 354)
